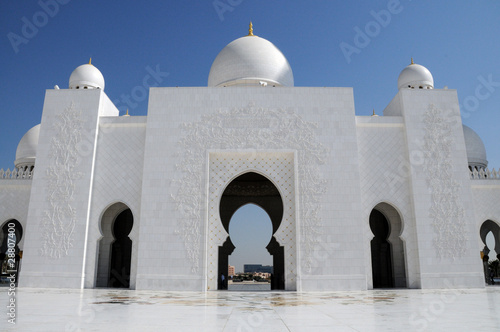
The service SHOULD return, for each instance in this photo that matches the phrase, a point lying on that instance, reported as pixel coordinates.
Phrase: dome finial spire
(250, 29)
(90, 61)
(412, 63)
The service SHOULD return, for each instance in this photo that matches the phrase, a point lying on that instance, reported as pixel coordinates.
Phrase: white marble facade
(332, 169)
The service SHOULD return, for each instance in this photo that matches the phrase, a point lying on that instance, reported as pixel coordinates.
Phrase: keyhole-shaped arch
(257, 189)
(11, 234)
(115, 247)
(387, 248)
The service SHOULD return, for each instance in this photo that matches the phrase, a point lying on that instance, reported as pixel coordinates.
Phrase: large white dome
(86, 77)
(415, 77)
(250, 60)
(26, 149)
(476, 152)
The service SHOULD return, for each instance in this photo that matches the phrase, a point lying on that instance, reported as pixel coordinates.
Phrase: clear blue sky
(458, 41)
(251, 230)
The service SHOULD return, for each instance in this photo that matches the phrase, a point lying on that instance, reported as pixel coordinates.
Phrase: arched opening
(255, 189)
(490, 235)
(11, 234)
(381, 251)
(251, 231)
(115, 247)
(387, 248)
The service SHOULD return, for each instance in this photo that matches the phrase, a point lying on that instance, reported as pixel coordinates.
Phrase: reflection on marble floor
(379, 310)
(246, 287)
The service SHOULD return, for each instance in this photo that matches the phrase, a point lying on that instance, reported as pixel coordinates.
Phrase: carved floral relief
(446, 211)
(251, 127)
(58, 221)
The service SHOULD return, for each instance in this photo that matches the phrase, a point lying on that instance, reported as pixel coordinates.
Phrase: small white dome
(415, 77)
(86, 77)
(250, 60)
(26, 149)
(476, 152)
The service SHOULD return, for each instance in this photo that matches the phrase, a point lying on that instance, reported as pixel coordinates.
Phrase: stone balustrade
(484, 174)
(20, 174)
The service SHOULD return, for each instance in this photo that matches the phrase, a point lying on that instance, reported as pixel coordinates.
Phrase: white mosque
(404, 199)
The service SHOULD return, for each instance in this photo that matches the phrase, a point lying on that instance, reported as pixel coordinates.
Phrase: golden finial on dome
(90, 61)
(412, 63)
(374, 112)
(250, 29)
(127, 113)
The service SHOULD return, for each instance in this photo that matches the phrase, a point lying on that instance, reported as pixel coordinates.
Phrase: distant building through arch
(253, 188)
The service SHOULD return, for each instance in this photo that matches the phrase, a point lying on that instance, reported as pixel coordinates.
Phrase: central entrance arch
(256, 189)
(277, 167)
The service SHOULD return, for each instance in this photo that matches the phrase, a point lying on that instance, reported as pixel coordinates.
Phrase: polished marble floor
(379, 310)
(248, 286)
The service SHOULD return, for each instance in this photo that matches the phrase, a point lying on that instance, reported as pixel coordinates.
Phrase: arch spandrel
(255, 188)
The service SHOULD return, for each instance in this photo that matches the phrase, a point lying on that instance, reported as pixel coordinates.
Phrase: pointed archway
(487, 227)
(11, 233)
(387, 249)
(115, 247)
(381, 251)
(253, 188)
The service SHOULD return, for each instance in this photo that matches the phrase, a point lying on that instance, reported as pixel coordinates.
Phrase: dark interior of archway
(121, 251)
(487, 227)
(490, 226)
(381, 251)
(18, 231)
(257, 189)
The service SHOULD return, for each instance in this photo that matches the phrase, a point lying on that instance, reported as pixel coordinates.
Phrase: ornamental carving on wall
(58, 222)
(446, 210)
(248, 128)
